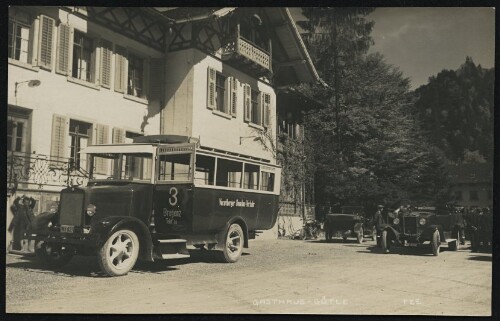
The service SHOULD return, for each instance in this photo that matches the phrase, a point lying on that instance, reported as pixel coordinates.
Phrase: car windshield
(352, 210)
(122, 166)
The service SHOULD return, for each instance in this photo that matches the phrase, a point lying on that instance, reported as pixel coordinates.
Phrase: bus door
(173, 196)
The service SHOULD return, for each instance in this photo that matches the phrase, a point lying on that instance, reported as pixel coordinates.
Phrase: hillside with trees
(455, 110)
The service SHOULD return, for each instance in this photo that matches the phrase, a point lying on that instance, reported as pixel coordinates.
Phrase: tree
(455, 110)
(367, 145)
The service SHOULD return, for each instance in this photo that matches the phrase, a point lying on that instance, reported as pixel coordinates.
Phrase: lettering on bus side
(236, 203)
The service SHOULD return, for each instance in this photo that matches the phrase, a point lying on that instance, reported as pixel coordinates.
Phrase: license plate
(67, 228)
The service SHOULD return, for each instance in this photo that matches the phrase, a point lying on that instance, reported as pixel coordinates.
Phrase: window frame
(91, 70)
(29, 26)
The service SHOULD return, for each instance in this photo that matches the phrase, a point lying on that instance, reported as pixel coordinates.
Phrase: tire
(359, 236)
(473, 242)
(119, 253)
(385, 242)
(435, 243)
(328, 235)
(53, 255)
(233, 245)
(455, 245)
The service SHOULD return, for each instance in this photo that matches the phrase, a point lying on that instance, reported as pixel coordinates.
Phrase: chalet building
(79, 76)
(472, 184)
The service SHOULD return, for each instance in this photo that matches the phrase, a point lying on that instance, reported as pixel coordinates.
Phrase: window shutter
(156, 79)
(45, 42)
(266, 109)
(120, 71)
(60, 127)
(63, 44)
(102, 137)
(106, 52)
(32, 47)
(211, 88)
(247, 101)
(118, 135)
(233, 92)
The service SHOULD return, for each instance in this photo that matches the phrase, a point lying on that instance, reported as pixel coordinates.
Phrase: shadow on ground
(87, 266)
(484, 258)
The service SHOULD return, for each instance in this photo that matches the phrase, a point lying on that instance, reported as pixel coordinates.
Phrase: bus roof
(119, 148)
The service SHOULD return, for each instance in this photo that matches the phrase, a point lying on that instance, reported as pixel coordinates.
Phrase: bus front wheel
(233, 246)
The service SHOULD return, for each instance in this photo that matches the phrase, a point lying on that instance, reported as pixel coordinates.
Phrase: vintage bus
(154, 198)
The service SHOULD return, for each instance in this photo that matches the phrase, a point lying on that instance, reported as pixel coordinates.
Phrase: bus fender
(221, 236)
(109, 225)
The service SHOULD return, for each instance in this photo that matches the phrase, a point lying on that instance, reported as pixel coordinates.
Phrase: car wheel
(53, 255)
(359, 236)
(385, 242)
(435, 243)
(455, 245)
(473, 242)
(328, 235)
(233, 246)
(118, 255)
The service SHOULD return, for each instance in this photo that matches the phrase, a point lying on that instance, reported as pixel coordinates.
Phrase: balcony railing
(39, 171)
(247, 55)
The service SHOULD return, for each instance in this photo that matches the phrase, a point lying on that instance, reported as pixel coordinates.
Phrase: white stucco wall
(58, 95)
(186, 111)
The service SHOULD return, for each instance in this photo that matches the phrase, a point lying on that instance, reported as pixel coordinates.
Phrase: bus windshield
(122, 166)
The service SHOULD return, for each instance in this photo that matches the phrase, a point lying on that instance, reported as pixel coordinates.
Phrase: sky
(423, 41)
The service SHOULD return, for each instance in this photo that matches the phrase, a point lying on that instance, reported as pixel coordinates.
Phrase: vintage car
(421, 226)
(351, 222)
(151, 199)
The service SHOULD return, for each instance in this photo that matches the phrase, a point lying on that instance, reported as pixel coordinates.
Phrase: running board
(174, 256)
(171, 249)
(172, 241)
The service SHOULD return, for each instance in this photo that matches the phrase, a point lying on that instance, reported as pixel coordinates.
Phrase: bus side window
(229, 173)
(205, 169)
(251, 178)
(267, 182)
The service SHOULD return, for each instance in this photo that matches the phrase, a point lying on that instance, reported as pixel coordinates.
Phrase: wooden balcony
(246, 56)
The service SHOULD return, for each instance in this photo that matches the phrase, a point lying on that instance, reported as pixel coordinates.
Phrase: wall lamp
(255, 138)
(31, 83)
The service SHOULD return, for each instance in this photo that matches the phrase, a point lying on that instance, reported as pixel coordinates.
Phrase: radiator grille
(71, 209)
(410, 224)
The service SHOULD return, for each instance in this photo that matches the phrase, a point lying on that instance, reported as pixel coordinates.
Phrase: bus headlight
(395, 221)
(422, 221)
(91, 210)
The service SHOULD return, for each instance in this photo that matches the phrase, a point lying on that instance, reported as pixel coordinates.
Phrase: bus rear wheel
(233, 246)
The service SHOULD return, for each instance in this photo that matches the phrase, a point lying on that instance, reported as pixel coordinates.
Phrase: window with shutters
(106, 53)
(83, 67)
(79, 134)
(18, 128)
(135, 80)
(220, 91)
(255, 108)
(20, 36)
(45, 42)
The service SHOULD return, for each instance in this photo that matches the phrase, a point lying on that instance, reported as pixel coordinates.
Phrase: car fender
(391, 230)
(357, 227)
(222, 233)
(105, 227)
(426, 234)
